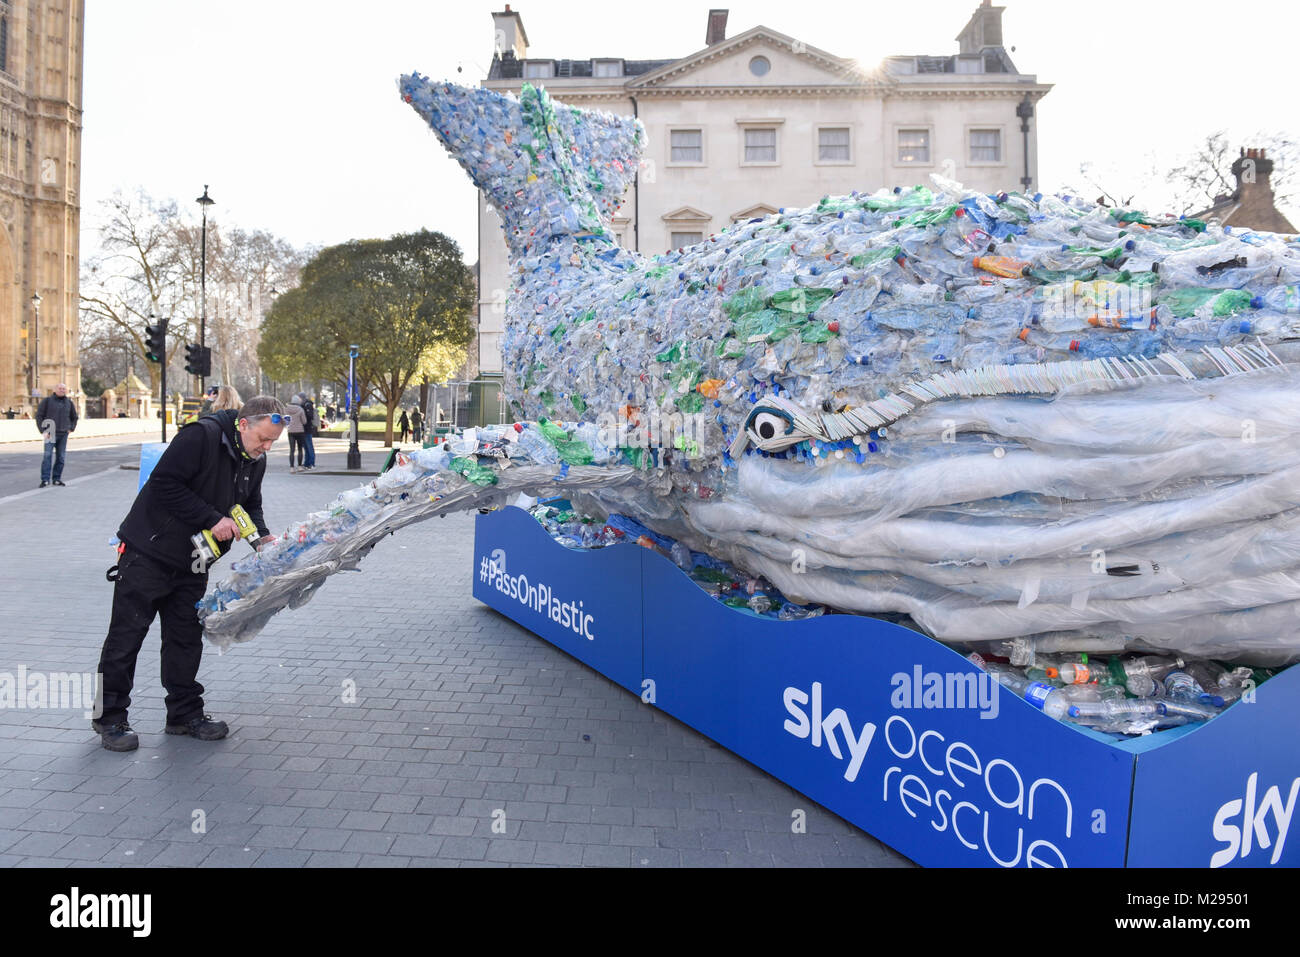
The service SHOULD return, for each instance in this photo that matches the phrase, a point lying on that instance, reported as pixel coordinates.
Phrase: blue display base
(896, 732)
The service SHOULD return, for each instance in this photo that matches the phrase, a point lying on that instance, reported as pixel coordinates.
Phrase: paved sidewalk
(470, 742)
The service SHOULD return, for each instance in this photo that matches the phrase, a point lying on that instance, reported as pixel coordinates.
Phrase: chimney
(983, 30)
(717, 27)
(1252, 169)
(508, 36)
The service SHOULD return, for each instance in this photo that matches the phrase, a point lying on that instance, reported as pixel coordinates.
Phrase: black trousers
(146, 587)
(297, 449)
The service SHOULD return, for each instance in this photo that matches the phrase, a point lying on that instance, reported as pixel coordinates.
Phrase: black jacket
(203, 472)
(59, 408)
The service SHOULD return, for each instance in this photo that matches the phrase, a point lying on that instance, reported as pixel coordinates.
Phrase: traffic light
(198, 360)
(156, 341)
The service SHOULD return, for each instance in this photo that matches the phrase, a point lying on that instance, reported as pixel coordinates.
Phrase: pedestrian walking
(417, 425)
(212, 464)
(310, 426)
(56, 416)
(295, 429)
(404, 423)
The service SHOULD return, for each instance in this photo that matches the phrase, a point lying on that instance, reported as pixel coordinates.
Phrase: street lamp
(1025, 110)
(204, 202)
(354, 448)
(36, 346)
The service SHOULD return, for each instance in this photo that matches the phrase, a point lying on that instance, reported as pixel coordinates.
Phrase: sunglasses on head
(275, 417)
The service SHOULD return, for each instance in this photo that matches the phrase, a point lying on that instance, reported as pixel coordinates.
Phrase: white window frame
(530, 68)
(985, 128)
(775, 126)
(899, 129)
(817, 144)
(704, 145)
(596, 66)
(673, 233)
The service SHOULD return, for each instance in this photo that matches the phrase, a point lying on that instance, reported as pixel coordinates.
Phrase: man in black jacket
(56, 416)
(213, 464)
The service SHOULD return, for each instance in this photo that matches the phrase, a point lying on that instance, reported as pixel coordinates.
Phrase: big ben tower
(40, 205)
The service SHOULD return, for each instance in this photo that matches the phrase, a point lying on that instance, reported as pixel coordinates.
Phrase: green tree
(406, 302)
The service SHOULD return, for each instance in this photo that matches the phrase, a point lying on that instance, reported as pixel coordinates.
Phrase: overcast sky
(289, 109)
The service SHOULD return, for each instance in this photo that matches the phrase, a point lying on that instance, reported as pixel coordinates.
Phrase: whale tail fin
(549, 169)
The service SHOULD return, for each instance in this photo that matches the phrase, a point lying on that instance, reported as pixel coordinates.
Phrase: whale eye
(768, 428)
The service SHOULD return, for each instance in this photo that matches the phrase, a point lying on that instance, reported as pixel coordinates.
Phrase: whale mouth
(425, 485)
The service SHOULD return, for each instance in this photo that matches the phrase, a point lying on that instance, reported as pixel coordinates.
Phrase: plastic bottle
(532, 444)
(1054, 702)
(1233, 684)
(1123, 717)
(1182, 686)
(1091, 673)
(1192, 710)
(1278, 299)
(1153, 666)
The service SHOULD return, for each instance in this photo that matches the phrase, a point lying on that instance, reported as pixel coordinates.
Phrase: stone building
(40, 205)
(1251, 204)
(751, 123)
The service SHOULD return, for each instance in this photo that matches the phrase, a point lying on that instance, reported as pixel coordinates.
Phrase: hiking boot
(201, 727)
(116, 737)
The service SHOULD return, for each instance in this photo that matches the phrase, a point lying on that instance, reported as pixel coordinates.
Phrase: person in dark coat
(404, 423)
(56, 416)
(213, 464)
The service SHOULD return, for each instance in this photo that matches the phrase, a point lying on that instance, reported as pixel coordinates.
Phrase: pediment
(727, 64)
(686, 214)
(753, 212)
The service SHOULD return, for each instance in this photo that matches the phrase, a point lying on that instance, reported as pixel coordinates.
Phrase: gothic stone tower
(40, 206)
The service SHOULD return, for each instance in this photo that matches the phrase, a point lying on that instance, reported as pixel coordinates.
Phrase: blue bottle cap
(1130, 245)
(1244, 328)
(1257, 302)
(1038, 197)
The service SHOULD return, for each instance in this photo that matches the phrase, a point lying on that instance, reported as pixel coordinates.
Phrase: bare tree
(151, 263)
(1205, 174)
(1197, 180)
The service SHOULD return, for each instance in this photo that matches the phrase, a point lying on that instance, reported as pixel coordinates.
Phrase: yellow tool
(206, 546)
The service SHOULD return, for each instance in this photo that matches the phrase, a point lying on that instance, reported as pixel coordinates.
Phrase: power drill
(206, 546)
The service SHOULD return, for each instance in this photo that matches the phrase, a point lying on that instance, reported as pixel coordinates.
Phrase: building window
(760, 66)
(601, 68)
(986, 146)
(682, 240)
(760, 145)
(833, 144)
(4, 43)
(537, 70)
(687, 146)
(914, 146)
